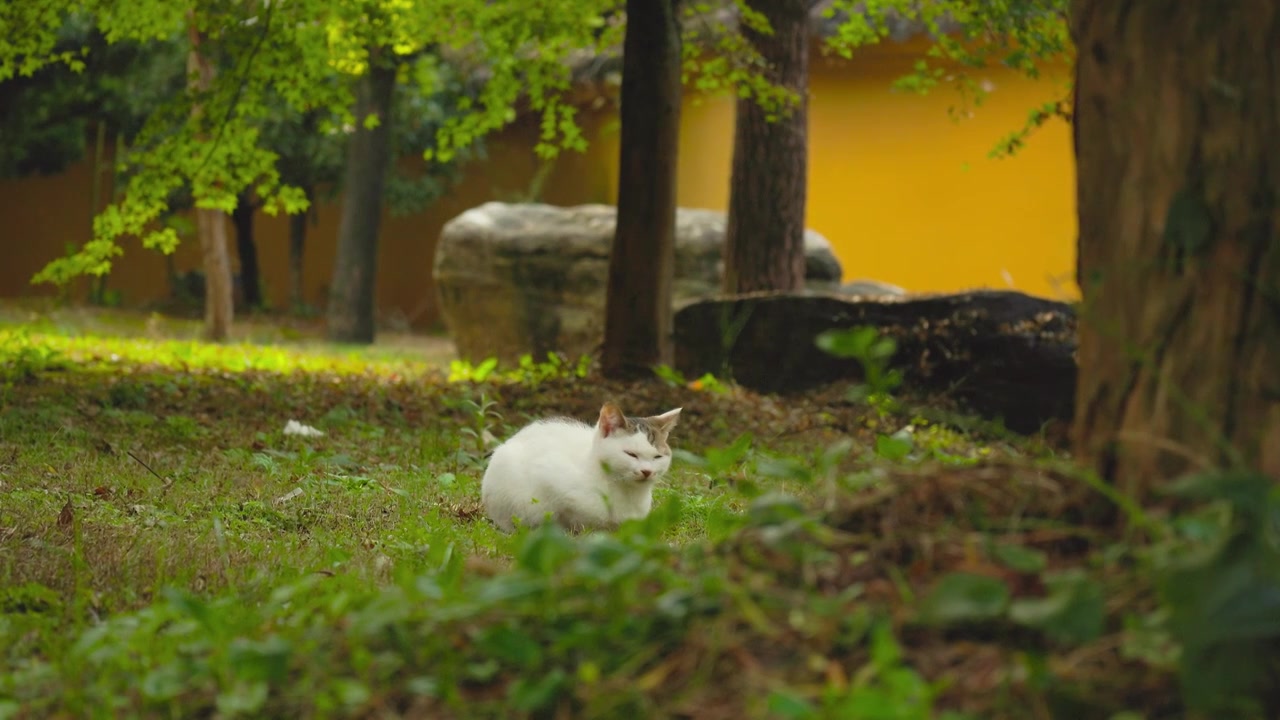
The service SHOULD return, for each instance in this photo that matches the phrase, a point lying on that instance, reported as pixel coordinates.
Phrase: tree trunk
(297, 247)
(250, 280)
(210, 224)
(1178, 161)
(351, 297)
(764, 237)
(637, 331)
(98, 283)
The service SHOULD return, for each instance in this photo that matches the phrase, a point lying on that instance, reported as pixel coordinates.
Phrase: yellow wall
(905, 194)
(39, 216)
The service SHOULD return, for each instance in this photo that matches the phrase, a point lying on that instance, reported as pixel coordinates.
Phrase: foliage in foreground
(351, 575)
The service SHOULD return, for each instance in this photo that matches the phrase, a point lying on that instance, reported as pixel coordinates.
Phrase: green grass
(166, 551)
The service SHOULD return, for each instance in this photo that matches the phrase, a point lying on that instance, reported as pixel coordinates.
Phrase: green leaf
(266, 659)
(1225, 612)
(512, 646)
(546, 548)
(1073, 612)
(350, 692)
(850, 343)
(894, 447)
(243, 698)
(790, 705)
(529, 695)
(1247, 491)
(961, 597)
(165, 682)
(1020, 558)
(1189, 224)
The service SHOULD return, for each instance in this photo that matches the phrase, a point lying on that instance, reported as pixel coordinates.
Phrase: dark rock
(1003, 354)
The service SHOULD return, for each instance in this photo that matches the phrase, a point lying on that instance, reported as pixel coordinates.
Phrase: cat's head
(633, 449)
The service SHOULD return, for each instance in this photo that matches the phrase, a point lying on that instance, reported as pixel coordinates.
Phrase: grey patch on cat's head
(656, 428)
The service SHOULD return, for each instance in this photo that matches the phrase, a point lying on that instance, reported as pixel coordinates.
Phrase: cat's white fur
(584, 477)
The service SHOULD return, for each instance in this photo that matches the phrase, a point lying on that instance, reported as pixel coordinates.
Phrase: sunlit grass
(195, 355)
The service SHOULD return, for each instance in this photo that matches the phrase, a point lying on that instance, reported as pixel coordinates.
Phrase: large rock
(1003, 354)
(871, 288)
(531, 278)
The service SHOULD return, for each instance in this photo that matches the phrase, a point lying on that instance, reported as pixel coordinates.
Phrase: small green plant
(885, 689)
(556, 366)
(482, 419)
(873, 350)
(1219, 582)
(675, 378)
(527, 371)
(464, 371)
(670, 375)
(23, 356)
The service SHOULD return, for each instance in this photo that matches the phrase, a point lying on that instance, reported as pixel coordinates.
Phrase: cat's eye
(633, 455)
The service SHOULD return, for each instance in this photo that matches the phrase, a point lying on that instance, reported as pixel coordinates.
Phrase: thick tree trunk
(351, 295)
(211, 225)
(297, 248)
(1178, 160)
(250, 280)
(764, 239)
(637, 331)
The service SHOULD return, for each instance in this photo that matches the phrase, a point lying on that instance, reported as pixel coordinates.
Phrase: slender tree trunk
(351, 298)
(1178, 159)
(637, 332)
(764, 239)
(297, 248)
(210, 224)
(247, 249)
(98, 283)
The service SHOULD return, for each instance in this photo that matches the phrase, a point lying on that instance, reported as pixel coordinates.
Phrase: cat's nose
(646, 473)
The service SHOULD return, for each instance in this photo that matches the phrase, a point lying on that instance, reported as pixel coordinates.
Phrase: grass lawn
(167, 551)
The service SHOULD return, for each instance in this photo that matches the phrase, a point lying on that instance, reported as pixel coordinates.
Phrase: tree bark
(351, 296)
(764, 237)
(297, 249)
(1178, 165)
(637, 331)
(211, 226)
(250, 279)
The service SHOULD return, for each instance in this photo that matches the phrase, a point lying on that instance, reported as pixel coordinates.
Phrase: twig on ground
(168, 482)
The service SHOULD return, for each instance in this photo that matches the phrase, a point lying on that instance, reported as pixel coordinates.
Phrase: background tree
(310, 159)
(1178, 163)
(384, 37)
(764, 236)
(291, 49)
(355, 267)
(211, 226)
(50, 118)
(637, 333)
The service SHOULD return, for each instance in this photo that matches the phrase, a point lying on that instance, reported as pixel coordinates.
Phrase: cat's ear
(611, 420)
(666, 420)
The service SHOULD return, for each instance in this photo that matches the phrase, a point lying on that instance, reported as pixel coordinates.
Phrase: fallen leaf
(289, 495)
(67, 516)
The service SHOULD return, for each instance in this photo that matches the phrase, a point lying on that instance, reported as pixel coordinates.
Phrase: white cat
(585, 477)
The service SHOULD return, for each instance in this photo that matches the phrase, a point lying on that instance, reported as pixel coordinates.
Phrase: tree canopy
(287, 55)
